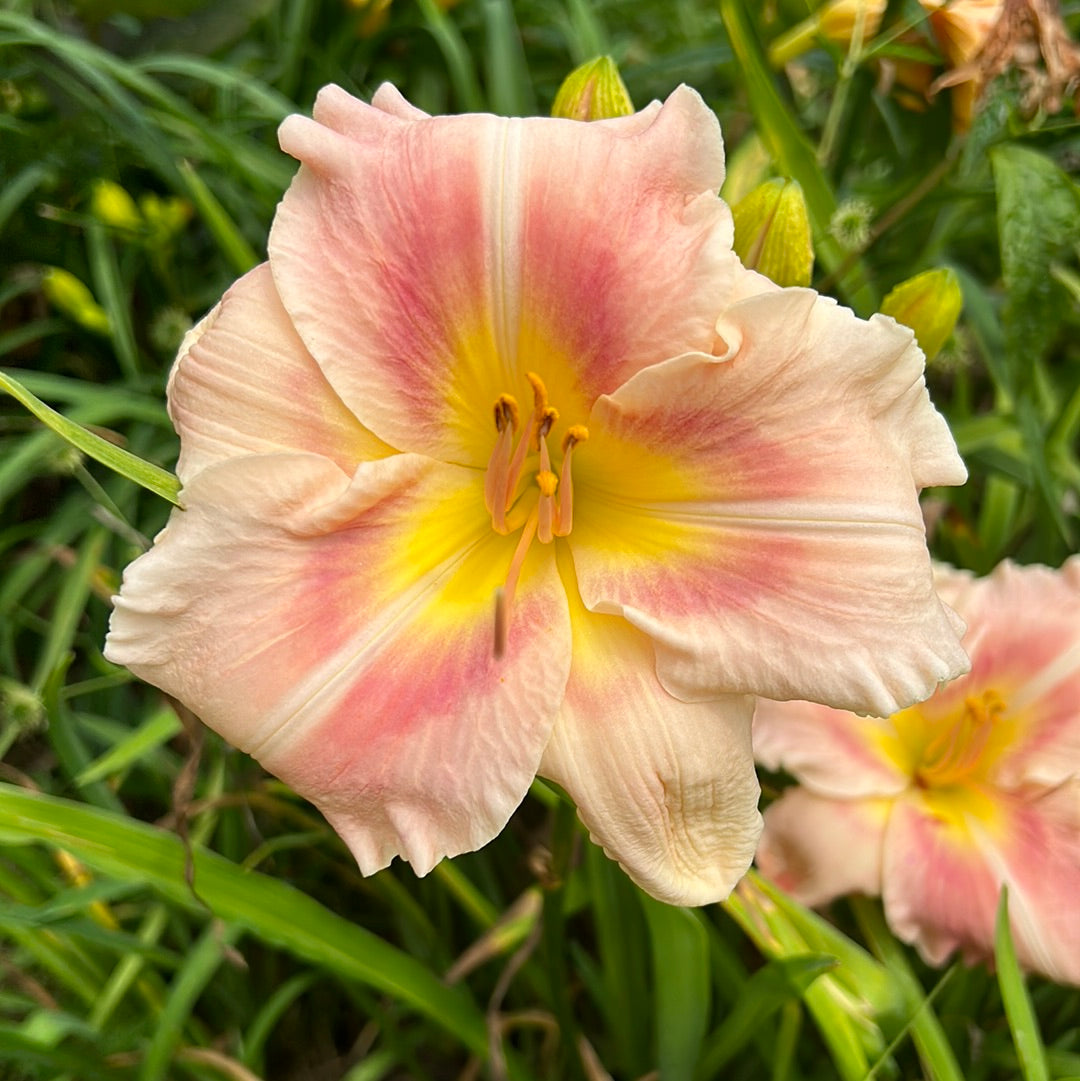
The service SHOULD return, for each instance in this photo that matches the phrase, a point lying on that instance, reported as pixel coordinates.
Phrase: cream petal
(341, 630)
(387, 98)
(455, 254)
(943, 875)
(757, 514)
(833, 753)
(667, 788)
(817, 849)
(243, 383)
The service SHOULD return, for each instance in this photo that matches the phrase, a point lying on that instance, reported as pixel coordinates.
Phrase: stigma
(522, 488)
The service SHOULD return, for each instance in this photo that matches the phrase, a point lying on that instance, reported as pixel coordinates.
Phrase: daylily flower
(503, 464)
(941, 804)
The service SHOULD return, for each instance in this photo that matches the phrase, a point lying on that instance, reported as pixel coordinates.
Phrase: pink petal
(243, 383)
(1024, 639)
(757, 514)
(342, 632)
(832, 752)
(817, 849)
(943, 874)
(666, 788)
(455, 254)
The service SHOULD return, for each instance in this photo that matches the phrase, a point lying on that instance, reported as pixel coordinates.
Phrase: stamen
(498, 471)
(956, 751)
(540, 397)
(577, 433)
(504, 595)
(506, 412)
(546, 421)
(547, 482)
(552, 513)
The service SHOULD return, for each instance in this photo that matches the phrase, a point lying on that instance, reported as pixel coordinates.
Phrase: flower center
(551, 513)
(960, 749)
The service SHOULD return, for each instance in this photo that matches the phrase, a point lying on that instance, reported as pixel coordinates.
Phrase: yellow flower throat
(964, 750)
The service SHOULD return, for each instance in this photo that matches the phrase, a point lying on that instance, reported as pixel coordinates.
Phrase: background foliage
(235, 939)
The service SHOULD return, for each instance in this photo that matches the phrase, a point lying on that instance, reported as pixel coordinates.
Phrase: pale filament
(956, 752)
(552, 514)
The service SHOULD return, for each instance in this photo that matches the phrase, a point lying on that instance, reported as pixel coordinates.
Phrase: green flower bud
(73, 298)
(112, 205)
(772, 232)
(747, 166)
(594, 91)
(930, 304)
(165, 215)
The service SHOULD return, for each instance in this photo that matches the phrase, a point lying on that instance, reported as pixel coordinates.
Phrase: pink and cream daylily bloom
(504, 465)
(940, 805)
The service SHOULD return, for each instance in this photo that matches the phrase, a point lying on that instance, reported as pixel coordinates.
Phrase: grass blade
(270, 909)
(1018, 1008)
(680, 949)
(155, 479)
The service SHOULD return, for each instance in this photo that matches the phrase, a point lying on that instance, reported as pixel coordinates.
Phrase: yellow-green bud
(930, 304)
(835, 21)
(772, 232)
(747, 166)
(165, 216)
(73, 298)
(594, 91)
(112, 205)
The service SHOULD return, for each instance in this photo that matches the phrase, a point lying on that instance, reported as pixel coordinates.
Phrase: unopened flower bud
(165, 215)
(835, 21)
(594, 91)
(747, 166)
(930, 304)
(74, 299)
(113, 206)
(772, 232)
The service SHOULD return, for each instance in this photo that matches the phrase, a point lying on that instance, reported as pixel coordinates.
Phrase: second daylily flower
(938, 806)
(503, 464)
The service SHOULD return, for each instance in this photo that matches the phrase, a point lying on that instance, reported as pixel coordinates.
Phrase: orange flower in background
(503, 465)
(962, 28)
(940, 805)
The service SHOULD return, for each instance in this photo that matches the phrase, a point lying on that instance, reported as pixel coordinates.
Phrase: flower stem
(563, 831)
(930, 1039)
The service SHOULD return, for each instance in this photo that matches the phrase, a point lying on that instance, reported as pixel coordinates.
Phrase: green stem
(930, 1039)
(563, 829)
(793, 43)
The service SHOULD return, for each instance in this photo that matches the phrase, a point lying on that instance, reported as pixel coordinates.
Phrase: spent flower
(938, 806)
(503, 465)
